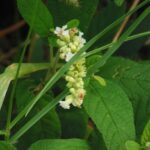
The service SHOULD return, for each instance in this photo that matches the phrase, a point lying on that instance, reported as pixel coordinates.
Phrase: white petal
(69, 55)
(64, 104)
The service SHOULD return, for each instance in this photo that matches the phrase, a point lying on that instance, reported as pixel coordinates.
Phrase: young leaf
(10, 72)
(145, 139)
(70, 144)
(73, 23)
(131, 145)
(111, 111)
(119, 2)
(37, 15)
(6, 146)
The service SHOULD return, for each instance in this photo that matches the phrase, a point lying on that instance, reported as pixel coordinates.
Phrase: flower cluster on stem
(70, 41)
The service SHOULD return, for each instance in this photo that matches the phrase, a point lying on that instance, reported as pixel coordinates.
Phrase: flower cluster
(70, 41)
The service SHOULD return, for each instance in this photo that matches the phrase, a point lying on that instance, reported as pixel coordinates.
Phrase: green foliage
(73, 23)
(145, 139)
(134, 79)
(131, 145)
(10, 72)
(112, 113)
(70, 144)
(72, 120)
(6, 146)
(37, 15)
(119, 2)
(83, 13)
(116, 105)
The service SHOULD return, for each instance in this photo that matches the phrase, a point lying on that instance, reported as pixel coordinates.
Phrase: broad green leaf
(70, 144)
(111, 111)
(10, 72)
(65, 12)
(119, 2)
(134, 78)
(146, 135)
(37, 15)
(131, 145)
(6, 146)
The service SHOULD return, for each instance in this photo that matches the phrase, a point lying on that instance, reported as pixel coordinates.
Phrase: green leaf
(37, 15)
(6, 146)
(111, 111)
(146, 135)
(70, 144)
(9, 75)
(119, 2)
(131, 145)
(134, 78)
(73, 23)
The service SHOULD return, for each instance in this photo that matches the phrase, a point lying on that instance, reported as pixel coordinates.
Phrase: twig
(12, 28)
(124, 23)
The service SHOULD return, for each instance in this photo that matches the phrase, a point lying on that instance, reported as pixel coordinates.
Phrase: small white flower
(69, 55)
(66, 104)
(61, 31)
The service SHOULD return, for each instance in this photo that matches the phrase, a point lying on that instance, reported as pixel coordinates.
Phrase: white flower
(66, 104)
(61, 31)
(68, 56)
(70, 41)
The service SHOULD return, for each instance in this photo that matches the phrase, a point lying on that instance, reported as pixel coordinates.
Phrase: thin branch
(12, 28)
(124, 23)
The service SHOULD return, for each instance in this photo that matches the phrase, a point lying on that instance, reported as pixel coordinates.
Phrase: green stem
(133, 37)
(10, 105)
(14, 87)
(38, 116)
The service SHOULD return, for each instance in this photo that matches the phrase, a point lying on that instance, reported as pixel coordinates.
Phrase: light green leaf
(70, 144)
(6, 146)
(145, 139)
(111, 111)
(37, 15)
(134, 78)
(73, 23)
(131, 145)
(119, 2)
(9, 75)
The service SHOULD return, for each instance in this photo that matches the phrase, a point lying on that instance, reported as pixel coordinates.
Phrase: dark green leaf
(65, 12)
(75, 121)
(37, 15)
